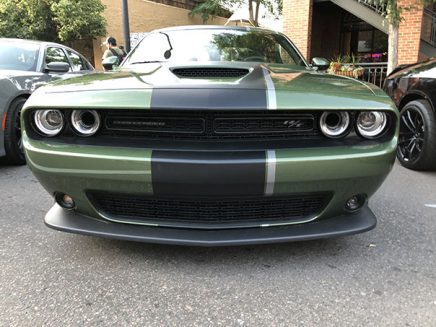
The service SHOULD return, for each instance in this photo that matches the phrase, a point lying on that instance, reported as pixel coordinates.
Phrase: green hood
(287, 87)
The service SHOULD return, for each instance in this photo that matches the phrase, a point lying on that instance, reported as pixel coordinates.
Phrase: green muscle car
(211, 135)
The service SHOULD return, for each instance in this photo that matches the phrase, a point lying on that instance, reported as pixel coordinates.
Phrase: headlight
(371, 124)
(49, 122)
(334, 124)
(85, 122)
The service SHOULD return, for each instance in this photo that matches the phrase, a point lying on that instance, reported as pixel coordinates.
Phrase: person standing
(113, 50)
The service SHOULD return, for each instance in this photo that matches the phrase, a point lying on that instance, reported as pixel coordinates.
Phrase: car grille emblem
(293, 123)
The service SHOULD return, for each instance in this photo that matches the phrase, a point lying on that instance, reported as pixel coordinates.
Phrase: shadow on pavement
(266, 256)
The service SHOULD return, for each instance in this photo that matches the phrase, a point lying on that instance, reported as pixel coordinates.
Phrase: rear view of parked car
(413, 90)
(25, 66)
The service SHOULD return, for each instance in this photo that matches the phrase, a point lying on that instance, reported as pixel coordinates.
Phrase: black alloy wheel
(13, 140)
(417, 142)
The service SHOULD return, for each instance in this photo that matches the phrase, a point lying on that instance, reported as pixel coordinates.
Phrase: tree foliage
(394, 8)
(218, 8)
(52, 20)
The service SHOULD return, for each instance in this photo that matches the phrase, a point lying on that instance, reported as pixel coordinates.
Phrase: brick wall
(144, 16)
(409, 36)
(298, 15)
(185, 4)
(297, 24)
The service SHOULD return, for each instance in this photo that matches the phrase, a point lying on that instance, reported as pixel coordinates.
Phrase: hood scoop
(209, 72)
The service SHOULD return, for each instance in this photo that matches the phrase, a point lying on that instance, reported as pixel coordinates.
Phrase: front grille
(209, 125)
(208, 212)
(210, 72)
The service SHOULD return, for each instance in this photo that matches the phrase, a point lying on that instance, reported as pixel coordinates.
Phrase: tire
(13, 141)
(417, 142)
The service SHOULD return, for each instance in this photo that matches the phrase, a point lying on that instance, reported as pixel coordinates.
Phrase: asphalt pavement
(385, 277)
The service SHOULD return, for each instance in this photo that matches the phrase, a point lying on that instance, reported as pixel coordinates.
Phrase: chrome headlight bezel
(42, 124)
(85, 122)
(377, 129)
(335, 124)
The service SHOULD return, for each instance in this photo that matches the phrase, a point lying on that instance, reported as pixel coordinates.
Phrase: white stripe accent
(271, 101)
(430, 205)
(270, 173)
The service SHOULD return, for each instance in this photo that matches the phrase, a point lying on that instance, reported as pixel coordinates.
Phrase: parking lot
(384, 277)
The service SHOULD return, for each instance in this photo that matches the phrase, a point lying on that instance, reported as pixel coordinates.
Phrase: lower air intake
(209, 212)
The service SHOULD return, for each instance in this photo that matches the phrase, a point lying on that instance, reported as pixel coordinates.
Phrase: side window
(78, 62)
(55, 54)
(285, 57)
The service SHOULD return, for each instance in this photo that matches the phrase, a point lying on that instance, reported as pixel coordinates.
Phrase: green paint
(75, 169)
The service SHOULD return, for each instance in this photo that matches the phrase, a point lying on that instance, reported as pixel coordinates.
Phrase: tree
(78, 19)
(52, 20)
(393, 15)
(26, 19)
(218, 7)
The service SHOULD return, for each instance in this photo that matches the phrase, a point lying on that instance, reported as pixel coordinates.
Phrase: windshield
(15, 56)
(215, 45)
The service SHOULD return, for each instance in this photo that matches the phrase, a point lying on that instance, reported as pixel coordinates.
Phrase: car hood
(261, 85)
(425, 69)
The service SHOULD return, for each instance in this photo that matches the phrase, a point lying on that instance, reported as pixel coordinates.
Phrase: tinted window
(15, 56)
(216, 45)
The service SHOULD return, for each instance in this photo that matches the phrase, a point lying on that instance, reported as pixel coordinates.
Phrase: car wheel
(13, 141)
(417, 142)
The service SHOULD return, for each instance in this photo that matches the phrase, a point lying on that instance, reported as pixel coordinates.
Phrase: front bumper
(347, 224)
(77, 170)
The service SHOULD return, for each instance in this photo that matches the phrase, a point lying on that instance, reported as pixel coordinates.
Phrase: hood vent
(209, 72)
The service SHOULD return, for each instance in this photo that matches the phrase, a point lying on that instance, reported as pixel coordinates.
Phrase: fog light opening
(65, 201)
(355, 202)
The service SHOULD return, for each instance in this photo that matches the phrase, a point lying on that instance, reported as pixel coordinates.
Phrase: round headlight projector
(85, 122)
(49, 122)
(334, 124)
(371, 124)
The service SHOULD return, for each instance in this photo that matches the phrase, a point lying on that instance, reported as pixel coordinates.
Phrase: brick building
(331, 28)
(145, 16)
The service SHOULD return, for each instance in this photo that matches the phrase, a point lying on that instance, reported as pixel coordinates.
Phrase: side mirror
(57, 67)
(109, 62)
(320, 63)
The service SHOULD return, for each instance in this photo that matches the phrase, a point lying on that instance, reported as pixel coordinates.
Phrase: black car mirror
(320, 63)
(109, 62)
(57, 67)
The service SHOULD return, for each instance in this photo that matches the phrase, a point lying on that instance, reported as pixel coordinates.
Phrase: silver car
(24, 66)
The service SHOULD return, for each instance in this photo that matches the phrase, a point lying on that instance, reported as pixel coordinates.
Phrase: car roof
(215, 27)
(36, 42)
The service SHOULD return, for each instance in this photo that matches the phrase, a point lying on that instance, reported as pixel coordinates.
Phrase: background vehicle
(24, 66)
(413, 89)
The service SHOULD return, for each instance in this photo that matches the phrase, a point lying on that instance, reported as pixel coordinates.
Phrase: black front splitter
(347, 224)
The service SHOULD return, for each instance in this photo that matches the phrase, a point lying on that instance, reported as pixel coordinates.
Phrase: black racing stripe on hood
(248, 92)
(178, 173)
(208, 99)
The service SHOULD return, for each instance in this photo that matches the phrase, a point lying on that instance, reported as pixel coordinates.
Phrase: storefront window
(362, 40)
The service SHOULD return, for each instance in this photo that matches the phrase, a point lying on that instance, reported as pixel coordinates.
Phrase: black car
(24, 66)
(413, 89)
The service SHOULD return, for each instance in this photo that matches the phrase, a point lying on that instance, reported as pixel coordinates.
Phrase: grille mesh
(209, 72)
(202, 213)
(207, 125)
